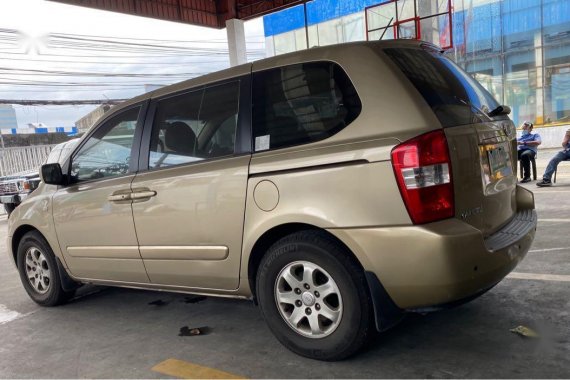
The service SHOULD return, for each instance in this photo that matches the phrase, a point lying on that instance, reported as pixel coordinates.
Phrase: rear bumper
(425, 267)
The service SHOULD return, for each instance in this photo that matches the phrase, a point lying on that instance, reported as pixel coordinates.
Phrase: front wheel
(39, 272)
(314, 297)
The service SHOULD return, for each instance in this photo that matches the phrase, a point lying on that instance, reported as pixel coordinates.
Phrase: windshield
(455, 97)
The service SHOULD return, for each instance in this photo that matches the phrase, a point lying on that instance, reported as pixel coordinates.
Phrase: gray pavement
(115, 333)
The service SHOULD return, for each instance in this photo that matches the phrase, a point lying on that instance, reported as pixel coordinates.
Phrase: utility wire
(218, 40)
(169, 63)
(13, 71)
(60, 102)
(62, 50)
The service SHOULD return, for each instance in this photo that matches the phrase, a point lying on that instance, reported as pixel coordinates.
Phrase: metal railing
(21, 159)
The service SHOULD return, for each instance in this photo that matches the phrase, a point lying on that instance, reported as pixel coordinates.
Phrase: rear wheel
(314, 296)
(39, 272)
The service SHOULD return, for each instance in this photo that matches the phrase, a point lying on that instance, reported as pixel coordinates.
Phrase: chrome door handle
(119, 197)
(143, 194)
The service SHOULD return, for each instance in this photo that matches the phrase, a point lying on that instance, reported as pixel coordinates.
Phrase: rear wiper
(500, 110)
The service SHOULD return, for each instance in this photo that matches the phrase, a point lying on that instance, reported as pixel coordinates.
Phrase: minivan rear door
(482, 148)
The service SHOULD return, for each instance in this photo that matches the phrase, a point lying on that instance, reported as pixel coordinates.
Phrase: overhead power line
(66, 63)
(107, 62)
(134, 90)
(100, 44)
(75, 85)
(213, 40)
(61, 102)
(15, 71)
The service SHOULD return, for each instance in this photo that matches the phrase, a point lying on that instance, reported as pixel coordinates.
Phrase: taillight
(423, 171)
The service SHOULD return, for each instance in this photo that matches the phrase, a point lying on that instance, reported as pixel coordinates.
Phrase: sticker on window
(262, 143)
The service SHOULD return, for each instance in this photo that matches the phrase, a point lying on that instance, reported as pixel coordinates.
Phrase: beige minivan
(337, 187)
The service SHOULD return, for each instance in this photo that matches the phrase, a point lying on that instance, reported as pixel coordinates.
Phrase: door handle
(143, 194)
(119, 197)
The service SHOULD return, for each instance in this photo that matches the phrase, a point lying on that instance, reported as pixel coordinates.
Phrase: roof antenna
(386, 29)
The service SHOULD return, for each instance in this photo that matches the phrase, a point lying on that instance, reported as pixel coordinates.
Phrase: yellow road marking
(539, 276)
(185, 370)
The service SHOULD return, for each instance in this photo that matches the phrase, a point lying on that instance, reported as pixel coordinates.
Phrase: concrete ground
(118, 333)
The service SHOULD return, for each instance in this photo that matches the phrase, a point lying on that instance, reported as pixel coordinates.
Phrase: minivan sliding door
(190, 206)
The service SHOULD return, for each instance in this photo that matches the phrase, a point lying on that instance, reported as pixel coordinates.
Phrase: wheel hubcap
(37, 270)
(308, 299)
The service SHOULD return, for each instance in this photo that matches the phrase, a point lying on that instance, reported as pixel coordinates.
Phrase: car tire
(9, 207)
(329, 326)
(39, 271)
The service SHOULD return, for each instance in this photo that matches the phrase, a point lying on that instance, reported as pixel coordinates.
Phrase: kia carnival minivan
(337, 187)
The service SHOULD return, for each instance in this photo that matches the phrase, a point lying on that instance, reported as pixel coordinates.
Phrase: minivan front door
(190, 222)
(93, 216)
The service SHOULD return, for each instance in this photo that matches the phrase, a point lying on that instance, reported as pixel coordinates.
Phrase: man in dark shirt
(527, 148)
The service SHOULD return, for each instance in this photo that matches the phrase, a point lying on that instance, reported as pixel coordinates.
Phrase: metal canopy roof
(210, 13)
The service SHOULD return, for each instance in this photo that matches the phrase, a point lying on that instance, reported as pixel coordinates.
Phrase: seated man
(527, 149)
(563, 155)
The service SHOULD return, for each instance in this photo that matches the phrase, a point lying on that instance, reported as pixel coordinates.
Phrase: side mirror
(52, 174)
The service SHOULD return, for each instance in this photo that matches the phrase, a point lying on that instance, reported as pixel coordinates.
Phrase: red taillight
(423, 171)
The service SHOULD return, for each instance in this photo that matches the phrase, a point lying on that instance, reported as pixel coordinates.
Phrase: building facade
(87, 121)
(518, 49)
(8, 116)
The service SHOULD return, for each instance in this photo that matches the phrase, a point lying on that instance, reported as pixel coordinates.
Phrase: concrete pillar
(269, 47)
(539, 78)
(236, 42)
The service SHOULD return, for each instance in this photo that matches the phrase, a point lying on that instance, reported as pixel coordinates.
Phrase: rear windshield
(454, 96)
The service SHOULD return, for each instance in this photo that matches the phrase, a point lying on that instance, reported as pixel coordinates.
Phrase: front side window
(107, 153)
(195, 126)
(301, 103)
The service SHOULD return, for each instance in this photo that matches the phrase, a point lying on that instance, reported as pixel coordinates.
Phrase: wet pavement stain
(158, 303)
(193, 299)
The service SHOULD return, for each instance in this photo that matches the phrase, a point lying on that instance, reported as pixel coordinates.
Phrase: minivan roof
(329, 53)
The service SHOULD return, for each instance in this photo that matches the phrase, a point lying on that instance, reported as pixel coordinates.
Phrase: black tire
(318, 248)
(53, 294)
(9, 207)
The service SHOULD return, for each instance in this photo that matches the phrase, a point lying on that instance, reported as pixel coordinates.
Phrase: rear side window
(455, 97)
(300, 104)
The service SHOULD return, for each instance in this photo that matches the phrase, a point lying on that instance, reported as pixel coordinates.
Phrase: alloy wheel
(308, 299)
(38, 272)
